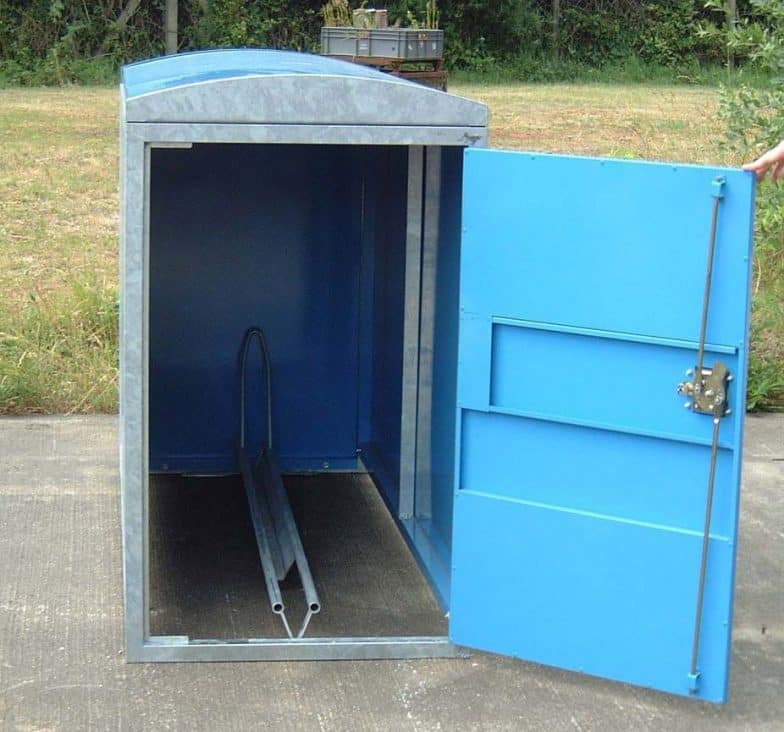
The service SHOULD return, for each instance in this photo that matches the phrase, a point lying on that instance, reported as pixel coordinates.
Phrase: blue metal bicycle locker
(333, 295)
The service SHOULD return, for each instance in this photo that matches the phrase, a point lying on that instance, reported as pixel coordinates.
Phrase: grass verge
(535, 69)
(59, 353)
(766, 367)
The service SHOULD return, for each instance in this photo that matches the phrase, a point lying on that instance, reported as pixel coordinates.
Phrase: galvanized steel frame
(317, 100)
(136, 141)
(181, 648)
(427, 329)
(411, 313)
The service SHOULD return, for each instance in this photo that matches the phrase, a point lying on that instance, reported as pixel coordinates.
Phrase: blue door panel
(529, 365)
(649, 219)
(597, 596)
(581, 480)
(603, 472)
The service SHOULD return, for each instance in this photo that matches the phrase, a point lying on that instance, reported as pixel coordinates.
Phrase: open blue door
(583, 478)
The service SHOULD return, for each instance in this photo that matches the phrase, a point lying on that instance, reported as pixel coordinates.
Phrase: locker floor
(206, 580)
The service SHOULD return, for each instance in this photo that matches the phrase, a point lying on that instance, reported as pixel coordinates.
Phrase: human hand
(774, 159)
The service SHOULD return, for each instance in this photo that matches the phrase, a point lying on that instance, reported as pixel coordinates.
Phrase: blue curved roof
(179, 69)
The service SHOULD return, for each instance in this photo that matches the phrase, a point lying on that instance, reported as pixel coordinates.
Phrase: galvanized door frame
(414, 510)
(136, 141)
(424, 198)
(412, 303)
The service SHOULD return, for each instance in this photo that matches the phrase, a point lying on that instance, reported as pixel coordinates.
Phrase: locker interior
(347, 258)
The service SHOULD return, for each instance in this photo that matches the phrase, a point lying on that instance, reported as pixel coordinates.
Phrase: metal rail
(708, 280)
(712, 384)
(695, 645)
(277, 537)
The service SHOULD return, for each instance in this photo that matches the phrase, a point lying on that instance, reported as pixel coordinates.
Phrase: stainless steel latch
(708, 390)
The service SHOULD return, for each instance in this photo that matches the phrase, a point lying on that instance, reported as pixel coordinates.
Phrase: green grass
(60, 354)
(766, 369)
(58, 250)
(629, 71)
(59, 204)
(54, 71)
(645, 121)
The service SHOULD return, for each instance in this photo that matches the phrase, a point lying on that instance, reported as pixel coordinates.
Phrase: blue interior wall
(265, 235)
(385, 223)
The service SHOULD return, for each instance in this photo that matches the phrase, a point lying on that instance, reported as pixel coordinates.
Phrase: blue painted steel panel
(580, 479)
(383, 270)
(245, 235)
(524, 358)
(166, 72)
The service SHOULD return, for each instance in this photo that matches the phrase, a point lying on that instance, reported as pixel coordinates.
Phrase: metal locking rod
(718, 195)
(708, 386)
(717, 379)
(695, 645)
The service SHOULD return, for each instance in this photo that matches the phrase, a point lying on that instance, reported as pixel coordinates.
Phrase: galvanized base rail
(178, 649)
(277, 538)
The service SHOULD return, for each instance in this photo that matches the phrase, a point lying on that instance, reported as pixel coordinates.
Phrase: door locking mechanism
(707, 392)
(709, 386)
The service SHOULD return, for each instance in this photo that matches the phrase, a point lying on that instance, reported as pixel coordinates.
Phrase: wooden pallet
(435, 76)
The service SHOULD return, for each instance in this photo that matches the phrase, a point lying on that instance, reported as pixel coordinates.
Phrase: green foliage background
(59, 41)
(754, 120)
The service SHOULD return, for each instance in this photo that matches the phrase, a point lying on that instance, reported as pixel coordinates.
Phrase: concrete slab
(61, 664)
